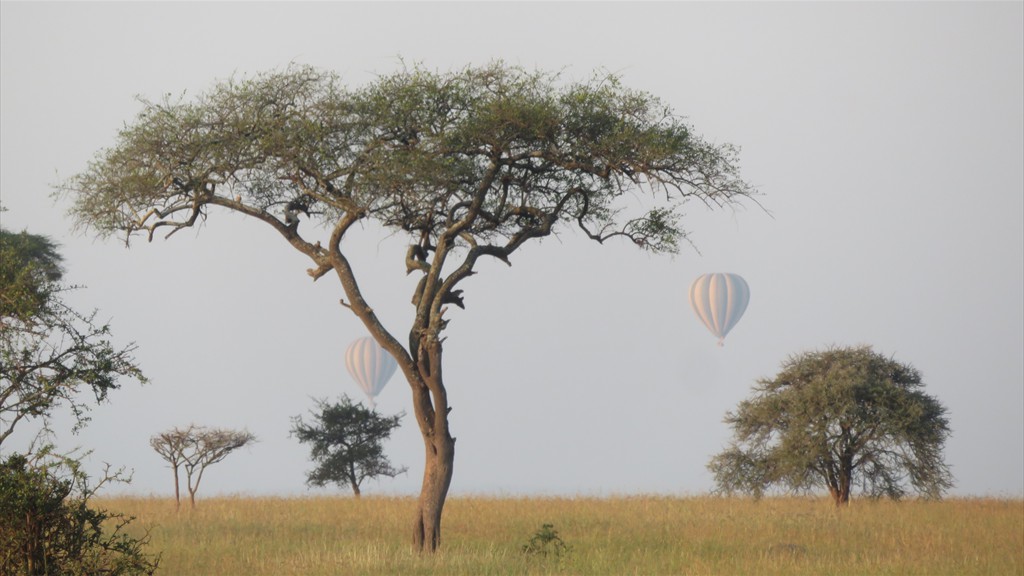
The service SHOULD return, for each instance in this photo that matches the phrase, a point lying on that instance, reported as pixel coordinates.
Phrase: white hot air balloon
(719, 301)
(370, 365)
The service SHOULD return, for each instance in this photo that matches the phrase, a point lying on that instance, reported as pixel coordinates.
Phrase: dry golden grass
(628, 535)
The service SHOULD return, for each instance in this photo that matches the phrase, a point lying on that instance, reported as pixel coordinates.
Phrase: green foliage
(838, 417)
(347, 443)
(545, 542)
(30, 267)
(49, 353)
(47, 526)
(506, 153)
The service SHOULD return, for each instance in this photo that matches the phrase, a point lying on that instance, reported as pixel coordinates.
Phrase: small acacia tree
(837, 417)
(465, 165)
(347, 443)
(195, 448)
(171, 445)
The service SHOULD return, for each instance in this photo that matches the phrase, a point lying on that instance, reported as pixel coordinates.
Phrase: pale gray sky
(887, 140)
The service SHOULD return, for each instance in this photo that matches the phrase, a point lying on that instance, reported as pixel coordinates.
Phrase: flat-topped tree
(467, 164)
(195, 449)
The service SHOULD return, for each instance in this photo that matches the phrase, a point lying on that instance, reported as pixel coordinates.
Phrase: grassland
(629, 535)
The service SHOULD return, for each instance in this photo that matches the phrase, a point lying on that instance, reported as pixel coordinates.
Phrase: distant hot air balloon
(370, 365)
(719, 301)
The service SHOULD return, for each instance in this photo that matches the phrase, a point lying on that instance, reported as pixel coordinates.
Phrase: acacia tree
(346, 441)
(836, 417)
(170, 445)
(196, 448)
(466, 165)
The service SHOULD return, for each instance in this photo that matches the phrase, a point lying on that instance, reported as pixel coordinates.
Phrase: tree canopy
(838, 417)
(346, 441)
(466, 164)
(30, 269)
(488, 157)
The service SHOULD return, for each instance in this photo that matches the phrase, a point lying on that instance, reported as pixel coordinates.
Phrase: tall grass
(628, 535)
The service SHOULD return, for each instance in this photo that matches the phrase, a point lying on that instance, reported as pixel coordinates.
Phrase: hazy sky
(886, 139)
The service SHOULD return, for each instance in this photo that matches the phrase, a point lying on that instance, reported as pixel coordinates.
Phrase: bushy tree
(30, 268)
(837, 418)
(346, 441)
(465, 165)
(49, 353)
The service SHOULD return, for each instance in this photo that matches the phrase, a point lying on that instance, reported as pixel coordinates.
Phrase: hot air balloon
(719, 301)
(370, 365)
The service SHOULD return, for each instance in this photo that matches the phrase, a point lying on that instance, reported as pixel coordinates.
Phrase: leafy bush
(47, 527)
(546, 541)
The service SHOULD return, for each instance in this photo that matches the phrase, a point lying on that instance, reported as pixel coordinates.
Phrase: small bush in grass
(546, 541)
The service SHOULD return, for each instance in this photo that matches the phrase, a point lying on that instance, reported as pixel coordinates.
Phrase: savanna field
(618, 535)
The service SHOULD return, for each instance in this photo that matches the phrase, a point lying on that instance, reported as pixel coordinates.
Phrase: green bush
(546, 541)
(47, 527)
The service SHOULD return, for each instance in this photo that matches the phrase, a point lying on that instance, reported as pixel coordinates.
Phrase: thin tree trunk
(845, 477)
(353, 479)
(177, 490)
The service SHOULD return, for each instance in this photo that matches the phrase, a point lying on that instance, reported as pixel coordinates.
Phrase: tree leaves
(346, 441)
(49, 353)
(408, 149)
(837, 416)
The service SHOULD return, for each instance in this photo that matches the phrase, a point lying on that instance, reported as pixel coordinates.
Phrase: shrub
(47, 526)
(546, 541)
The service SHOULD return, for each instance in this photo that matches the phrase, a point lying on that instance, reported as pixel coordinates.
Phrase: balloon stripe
(699, 300)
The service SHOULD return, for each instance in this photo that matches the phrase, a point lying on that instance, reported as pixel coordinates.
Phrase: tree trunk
(840, 489)
(353, 478)
(437, 477)
(431, 408)
(177, 490)
(840, 495)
